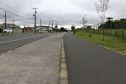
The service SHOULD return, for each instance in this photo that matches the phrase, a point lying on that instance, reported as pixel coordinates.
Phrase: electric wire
(11, 8)
(16, 14)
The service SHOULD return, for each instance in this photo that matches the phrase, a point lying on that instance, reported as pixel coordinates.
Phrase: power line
(13, 13)
(39, 14)
(17, 12)
(11, 8)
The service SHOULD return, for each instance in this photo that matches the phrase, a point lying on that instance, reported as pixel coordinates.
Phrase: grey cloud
(65, 12)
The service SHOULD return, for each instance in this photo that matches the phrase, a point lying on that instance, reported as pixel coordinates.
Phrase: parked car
(8, 31)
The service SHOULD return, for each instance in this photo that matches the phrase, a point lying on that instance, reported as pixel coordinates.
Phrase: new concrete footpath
(35, 63)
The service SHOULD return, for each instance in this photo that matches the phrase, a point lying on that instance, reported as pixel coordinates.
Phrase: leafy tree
(56, 26)
(73, 29)
(62, 29)
(123, 23)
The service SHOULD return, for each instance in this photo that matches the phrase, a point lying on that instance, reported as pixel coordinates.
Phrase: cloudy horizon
(64, 12)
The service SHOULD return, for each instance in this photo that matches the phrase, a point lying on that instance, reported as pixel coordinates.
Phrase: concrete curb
(63, 72)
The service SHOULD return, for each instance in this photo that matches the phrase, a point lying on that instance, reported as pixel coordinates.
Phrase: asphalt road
(88, 63)
(11, 42)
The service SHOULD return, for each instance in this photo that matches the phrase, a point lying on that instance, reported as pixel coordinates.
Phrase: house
(44, 29)
(29, 29)
(2, 26)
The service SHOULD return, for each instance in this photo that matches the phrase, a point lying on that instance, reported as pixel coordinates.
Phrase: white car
(8, 31)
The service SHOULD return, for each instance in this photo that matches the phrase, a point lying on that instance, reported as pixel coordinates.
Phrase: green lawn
(110, 42)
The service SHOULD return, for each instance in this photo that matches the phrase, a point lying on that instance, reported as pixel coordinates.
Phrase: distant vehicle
(8, 31)
(40, 31)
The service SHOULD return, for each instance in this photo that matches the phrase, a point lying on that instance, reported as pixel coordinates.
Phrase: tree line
(113, 28)
(114, 24)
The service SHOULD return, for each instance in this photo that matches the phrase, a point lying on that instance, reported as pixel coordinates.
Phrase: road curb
(63, 66)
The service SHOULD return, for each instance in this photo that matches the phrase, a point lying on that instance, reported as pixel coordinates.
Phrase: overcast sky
(64, 12)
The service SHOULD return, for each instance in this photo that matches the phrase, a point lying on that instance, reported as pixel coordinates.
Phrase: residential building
(44, 28)
(2, 26)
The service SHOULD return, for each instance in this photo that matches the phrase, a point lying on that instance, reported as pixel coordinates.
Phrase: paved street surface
(88, 63)
(21, 37)
(11, 42)
(35, 63)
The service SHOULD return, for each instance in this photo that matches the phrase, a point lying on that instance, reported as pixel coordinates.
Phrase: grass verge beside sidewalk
(112, 43)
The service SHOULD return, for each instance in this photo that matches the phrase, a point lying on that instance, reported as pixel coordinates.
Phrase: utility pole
(49, 22)
(40, 23)
(5, 19)
(35, 18)
(13, 24)
(52, 23)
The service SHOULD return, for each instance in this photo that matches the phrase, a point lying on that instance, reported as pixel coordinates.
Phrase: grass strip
(110, 42)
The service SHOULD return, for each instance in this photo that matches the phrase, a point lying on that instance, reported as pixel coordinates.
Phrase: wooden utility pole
(5, 19)
(52, 23)
(13, 25)
(49, 22)
(35, 18)
(40, 23)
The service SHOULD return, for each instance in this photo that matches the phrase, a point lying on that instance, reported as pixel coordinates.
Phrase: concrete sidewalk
(35, 63)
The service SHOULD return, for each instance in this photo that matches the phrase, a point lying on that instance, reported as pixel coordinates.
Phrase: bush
(73, 29)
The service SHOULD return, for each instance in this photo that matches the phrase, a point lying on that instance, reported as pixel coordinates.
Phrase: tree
(110, 22)
(73, 29)
(116, 24)
(84, 20)
(123, 21)
(101, 9)
(62, 29)
(56, 26)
